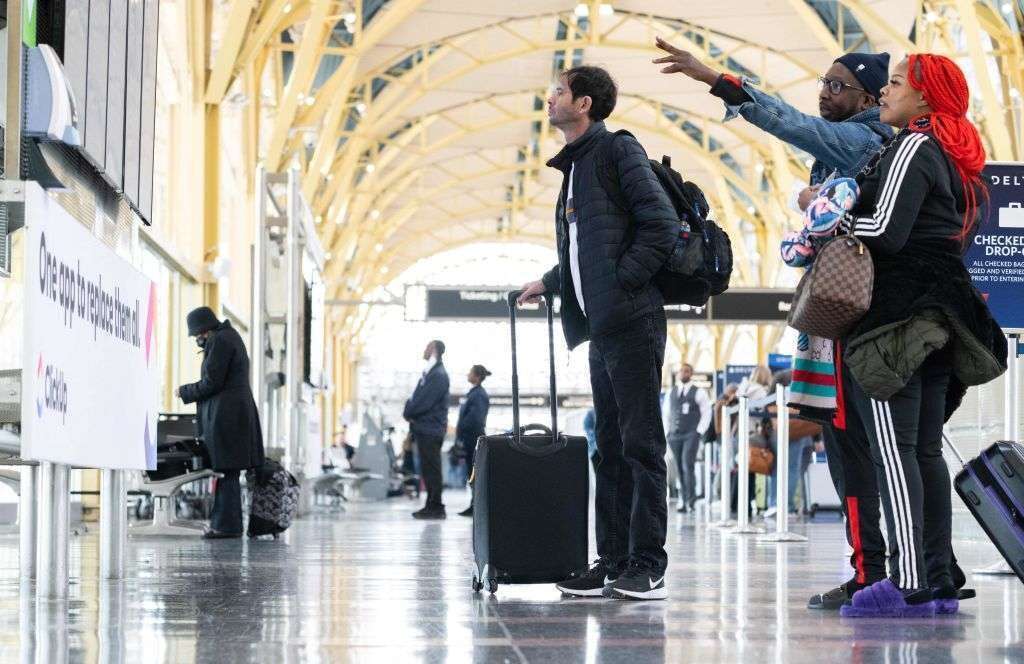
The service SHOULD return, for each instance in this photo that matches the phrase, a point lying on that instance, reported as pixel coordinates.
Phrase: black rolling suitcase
(992, 486)
(530, 495)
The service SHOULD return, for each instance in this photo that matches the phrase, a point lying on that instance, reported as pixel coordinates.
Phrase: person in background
(228, 421)
(590, 429)
(799, 450)
(755, 387)
(427, 414)
(689, 415)
(339, 449)
(472, 419)
(727, 399)
(758, 385)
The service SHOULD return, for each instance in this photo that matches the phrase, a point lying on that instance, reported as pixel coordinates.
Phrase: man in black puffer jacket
(607, 257)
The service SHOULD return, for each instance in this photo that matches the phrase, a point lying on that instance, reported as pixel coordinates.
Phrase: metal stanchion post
(743, 526)
(1011, 424)
(28, 515)
(709, 452)
(782, 533)
(113, 524)
(111, 627)
(52, 532)
(725, 470)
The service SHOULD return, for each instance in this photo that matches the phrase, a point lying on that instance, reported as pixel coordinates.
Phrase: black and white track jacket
(910, 214)
(911, 192)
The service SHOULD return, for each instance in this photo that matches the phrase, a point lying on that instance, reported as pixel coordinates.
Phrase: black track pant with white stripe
(906, 444)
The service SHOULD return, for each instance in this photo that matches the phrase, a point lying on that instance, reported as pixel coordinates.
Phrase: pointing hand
(684, 62)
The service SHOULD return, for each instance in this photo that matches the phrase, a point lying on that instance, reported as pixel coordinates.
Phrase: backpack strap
(607, 173)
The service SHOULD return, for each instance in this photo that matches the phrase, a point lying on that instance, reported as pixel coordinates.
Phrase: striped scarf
(814, 376)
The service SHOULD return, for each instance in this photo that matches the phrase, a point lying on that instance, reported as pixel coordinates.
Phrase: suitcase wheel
(477, 585)
(492, 586)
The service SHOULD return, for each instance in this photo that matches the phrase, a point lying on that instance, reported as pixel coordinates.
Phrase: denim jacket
(843, 147)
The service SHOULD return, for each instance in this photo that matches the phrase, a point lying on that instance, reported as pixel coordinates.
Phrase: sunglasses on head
(836, 87)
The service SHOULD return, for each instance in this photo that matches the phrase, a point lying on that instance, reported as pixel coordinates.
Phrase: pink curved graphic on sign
(150, 320)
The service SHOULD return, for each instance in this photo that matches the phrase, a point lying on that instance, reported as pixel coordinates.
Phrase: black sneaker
(835, 598)
(591, 581)
(467, 512)
(431, 514)
(637, 583)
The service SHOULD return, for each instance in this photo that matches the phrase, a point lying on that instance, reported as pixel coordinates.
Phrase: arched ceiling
(418, 125)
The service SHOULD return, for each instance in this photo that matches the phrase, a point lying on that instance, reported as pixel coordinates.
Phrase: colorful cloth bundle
(814, 374)
(821, 218)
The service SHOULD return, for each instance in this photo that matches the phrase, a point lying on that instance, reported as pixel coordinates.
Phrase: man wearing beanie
(841, 141)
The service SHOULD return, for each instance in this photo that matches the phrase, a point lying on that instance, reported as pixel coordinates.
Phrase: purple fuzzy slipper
(884, 600)
(946, 607)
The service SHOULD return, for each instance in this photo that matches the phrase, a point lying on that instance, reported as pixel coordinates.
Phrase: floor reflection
(372, 585)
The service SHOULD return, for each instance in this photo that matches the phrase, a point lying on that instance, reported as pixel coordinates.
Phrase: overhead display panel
(740, 306)
(95, 102)
(109, 52)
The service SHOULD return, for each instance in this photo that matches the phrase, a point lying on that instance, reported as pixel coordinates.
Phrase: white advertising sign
(89, 378)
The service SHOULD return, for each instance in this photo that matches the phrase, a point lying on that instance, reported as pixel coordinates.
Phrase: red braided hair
(945, 90)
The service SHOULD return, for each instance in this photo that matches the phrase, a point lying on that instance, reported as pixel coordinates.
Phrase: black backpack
(700, 265)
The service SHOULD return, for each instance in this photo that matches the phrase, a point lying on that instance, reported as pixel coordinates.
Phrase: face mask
(201, 342)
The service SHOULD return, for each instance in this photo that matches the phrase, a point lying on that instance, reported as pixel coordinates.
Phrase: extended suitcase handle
(517, 432)
(951, 446)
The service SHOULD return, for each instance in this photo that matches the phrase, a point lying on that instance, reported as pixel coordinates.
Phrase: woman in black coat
(229, 422)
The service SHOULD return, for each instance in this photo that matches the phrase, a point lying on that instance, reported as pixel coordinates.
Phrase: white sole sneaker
(653, 594)
(596, 592)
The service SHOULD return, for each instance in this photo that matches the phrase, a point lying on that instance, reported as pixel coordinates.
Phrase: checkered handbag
(836, 292)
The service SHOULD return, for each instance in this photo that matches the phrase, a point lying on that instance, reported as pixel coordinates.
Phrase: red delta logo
(51, 390)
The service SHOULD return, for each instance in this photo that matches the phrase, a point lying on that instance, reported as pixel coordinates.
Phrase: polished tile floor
(372, 585)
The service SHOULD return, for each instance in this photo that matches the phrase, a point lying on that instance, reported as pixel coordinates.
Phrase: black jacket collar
(582, 145)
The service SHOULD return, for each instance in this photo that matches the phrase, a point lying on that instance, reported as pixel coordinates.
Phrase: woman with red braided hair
(928, 333)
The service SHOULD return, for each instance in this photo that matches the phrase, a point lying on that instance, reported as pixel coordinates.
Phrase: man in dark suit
(427, 414)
